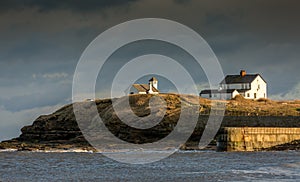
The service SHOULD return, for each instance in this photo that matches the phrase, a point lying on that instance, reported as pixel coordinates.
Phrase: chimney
(243, 73)
(150, 86)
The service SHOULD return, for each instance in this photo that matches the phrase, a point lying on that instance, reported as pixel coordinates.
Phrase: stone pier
(254, 138)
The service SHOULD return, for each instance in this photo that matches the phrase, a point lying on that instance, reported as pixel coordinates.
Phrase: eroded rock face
(60, 130)
(54, 131)
(59, 125)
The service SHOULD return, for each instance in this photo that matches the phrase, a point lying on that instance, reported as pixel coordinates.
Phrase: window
(248, 94)
(254, 95)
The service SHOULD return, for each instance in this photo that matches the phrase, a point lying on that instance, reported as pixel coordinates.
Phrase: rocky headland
(60, 130)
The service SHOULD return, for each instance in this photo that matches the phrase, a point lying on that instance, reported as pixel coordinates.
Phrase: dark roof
(215, 91)
(144, 88)
(231, 79)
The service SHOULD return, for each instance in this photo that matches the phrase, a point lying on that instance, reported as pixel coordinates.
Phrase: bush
(262, 100)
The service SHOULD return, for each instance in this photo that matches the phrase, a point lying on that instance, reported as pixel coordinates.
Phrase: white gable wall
(258, 89)
(155, 84)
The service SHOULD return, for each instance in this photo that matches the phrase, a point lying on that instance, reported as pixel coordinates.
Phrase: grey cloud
(12, 122)
(42, 90)
(30, 101)
(289, 94)
(182, 1)
(55, 75)
(76, 5)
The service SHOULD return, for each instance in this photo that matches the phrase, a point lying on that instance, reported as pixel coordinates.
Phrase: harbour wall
(254, 138)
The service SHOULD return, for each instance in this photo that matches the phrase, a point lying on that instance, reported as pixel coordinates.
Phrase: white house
(250, 86)
(151, 88)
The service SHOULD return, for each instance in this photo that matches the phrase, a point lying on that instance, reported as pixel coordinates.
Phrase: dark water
(182, 166)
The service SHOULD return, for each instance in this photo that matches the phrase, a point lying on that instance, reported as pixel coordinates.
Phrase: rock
(294, 145)
(60, 130)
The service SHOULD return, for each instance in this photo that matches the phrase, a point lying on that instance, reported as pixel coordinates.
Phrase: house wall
(235, 93)
(151, 92)
(207, 96)
(142, 93)
(258, 87)
(248, 95)
(155, 84)
(151, 85)
(225, 96)
(235, 86)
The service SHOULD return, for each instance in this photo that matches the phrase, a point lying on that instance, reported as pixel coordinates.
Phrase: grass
(235, 107)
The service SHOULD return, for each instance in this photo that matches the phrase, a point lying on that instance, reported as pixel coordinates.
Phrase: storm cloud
(75, 5)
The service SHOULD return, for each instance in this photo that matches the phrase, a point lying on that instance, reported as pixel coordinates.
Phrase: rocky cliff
(60, 129)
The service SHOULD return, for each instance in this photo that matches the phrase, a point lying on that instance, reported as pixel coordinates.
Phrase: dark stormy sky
(42, 41)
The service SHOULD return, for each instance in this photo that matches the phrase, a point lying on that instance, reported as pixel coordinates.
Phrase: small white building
(151, 88)
(250, 86)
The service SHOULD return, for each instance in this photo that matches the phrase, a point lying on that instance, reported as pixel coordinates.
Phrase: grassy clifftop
(262, 107)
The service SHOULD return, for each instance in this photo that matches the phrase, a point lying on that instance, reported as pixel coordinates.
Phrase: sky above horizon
(42, 41)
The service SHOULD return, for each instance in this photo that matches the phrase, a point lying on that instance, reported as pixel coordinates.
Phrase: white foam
(8, 150)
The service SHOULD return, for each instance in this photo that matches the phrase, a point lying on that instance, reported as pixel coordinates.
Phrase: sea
(181, 166)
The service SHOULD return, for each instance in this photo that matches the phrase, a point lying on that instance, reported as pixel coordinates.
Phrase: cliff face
(60, 129)
(54, 131)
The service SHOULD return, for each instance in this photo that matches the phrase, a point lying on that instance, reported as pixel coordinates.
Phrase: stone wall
(254, 138)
